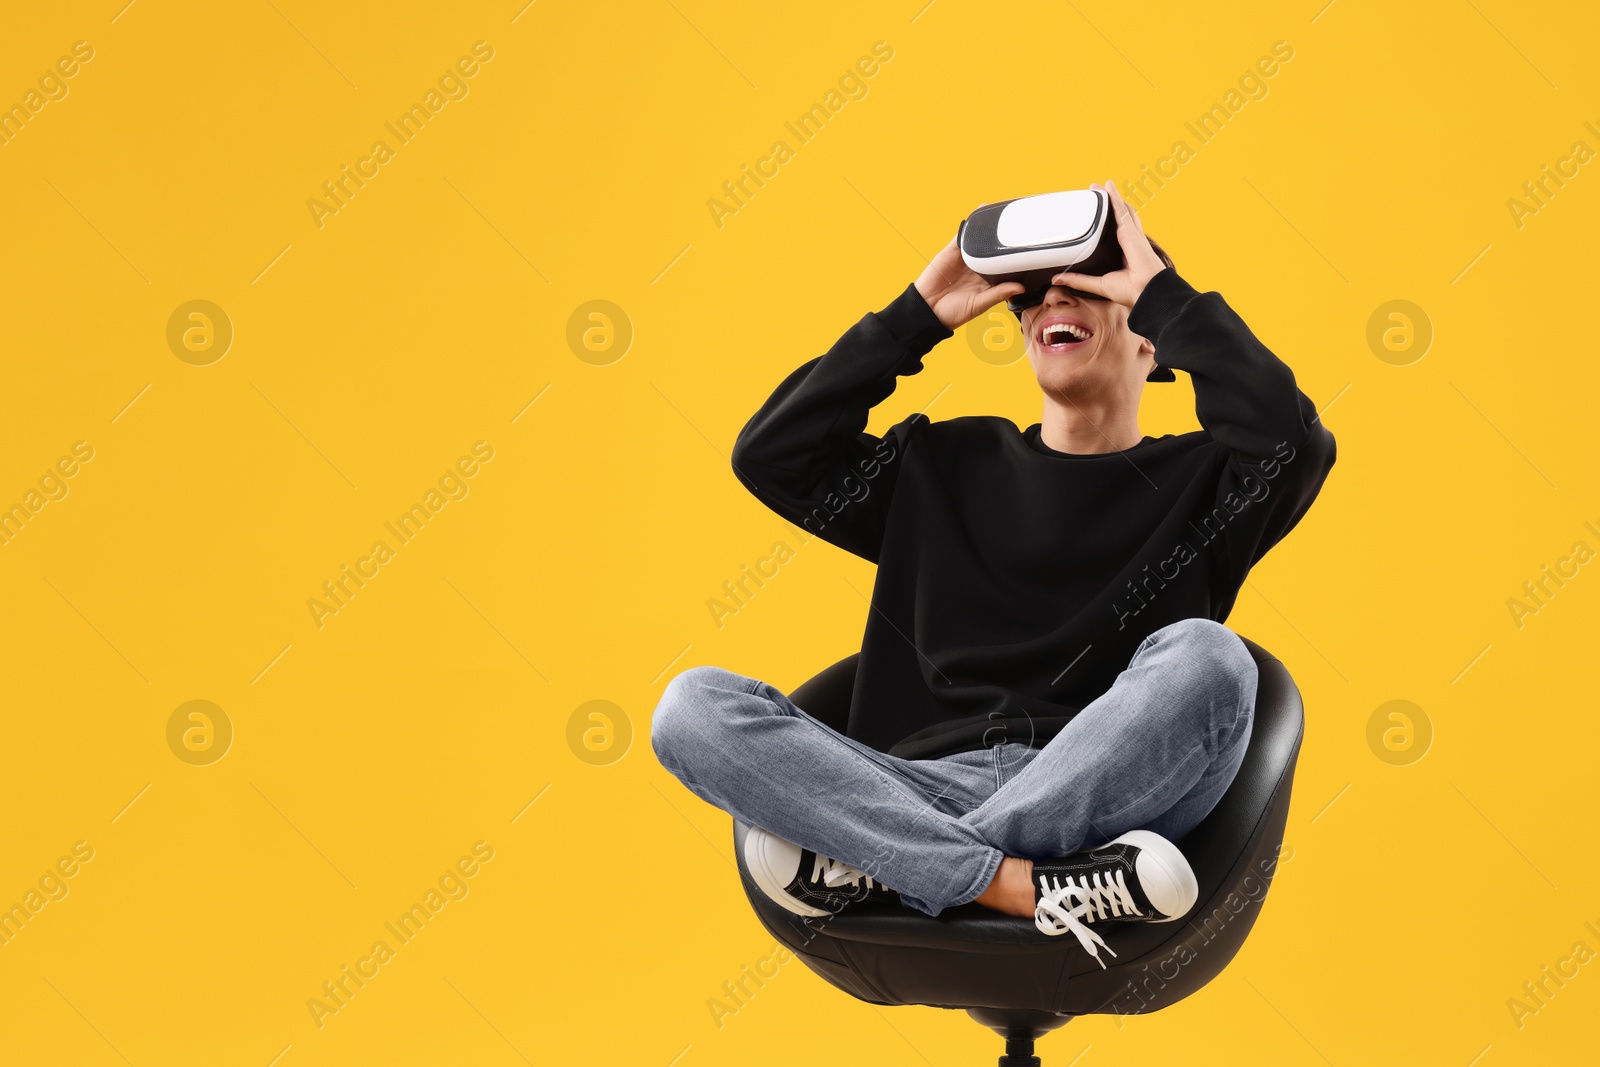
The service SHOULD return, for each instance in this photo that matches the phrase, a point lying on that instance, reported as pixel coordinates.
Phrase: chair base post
(1019, 1053)
(1020, 1028)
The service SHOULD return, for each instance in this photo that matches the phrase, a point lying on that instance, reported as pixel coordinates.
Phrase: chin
(1063, 372)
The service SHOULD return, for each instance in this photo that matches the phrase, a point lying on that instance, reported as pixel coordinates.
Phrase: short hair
(1161, 253)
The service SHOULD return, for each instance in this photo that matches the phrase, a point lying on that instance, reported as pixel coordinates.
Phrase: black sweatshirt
(1015, 582)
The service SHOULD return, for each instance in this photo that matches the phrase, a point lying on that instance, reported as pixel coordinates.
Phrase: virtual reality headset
(1033, 238)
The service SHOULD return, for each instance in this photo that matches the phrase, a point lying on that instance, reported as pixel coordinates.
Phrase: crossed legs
(1155, 751)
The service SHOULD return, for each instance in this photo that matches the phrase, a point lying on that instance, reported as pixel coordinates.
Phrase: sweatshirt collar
(1035, 437)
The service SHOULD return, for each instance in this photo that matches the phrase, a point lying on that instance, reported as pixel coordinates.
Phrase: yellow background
(426, 314)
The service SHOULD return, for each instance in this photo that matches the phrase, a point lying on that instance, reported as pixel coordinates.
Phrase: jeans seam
(1243, 711)
(1112, 816)
(877, 768)
(836, 738)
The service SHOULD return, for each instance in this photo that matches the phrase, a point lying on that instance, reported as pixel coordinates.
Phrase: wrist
(913, 322)
(1143, 284)
(1162, 298)
(933, 304)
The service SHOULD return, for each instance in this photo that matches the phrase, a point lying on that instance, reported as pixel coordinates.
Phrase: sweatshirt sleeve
(806, 454)
(1278, 453)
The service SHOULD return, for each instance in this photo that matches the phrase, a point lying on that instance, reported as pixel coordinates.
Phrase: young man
(1046, 698)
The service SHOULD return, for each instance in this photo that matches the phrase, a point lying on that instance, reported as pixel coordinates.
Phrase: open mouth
(1061, 335)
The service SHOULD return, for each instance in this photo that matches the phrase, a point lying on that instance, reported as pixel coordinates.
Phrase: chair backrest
(1235, 853)
(1267, 771)
(827, 696)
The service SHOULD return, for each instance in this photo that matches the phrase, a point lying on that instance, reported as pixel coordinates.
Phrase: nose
(1061, 296)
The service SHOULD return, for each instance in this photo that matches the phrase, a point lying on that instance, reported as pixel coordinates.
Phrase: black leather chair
(1023, 984)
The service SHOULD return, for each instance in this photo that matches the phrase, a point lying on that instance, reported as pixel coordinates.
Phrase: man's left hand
(1140, 262)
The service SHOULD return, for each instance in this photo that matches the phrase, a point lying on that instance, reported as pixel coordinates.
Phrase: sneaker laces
(834, 874)
(1067, 904)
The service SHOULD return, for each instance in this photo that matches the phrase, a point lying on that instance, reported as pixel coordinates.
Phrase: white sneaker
(805, 883)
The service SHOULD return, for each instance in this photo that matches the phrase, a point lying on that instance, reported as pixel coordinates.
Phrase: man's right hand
(955, 293)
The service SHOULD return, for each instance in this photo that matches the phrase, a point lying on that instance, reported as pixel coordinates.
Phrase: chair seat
(971, 957)
(968, 928)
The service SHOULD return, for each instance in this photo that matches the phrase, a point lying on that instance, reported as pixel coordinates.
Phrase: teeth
(1064, 333)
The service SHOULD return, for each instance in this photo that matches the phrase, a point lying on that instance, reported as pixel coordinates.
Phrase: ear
(1145, 354)
(1158, 373)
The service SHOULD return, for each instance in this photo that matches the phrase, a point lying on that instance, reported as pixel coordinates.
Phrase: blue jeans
(1155, 751)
